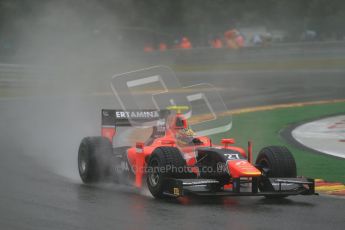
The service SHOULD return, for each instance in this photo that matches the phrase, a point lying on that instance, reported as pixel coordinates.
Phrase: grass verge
(263, 129)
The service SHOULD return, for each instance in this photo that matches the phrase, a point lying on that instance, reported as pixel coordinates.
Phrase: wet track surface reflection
(34, 198)
(40, 188)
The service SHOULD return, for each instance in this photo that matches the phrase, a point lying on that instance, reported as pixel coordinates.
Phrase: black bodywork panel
(215, 159)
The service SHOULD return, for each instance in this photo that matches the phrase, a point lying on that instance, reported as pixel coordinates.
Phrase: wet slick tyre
(275, 161)
(164, 162)
(94, 157)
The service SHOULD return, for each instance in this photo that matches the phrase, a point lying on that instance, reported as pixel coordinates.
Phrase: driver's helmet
(185, 136)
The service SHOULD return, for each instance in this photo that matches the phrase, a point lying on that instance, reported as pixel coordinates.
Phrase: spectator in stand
(240, 40)
(217, 43)
(230, 39)
(163, 46)
(148, 48)
(185, 43)
(266, 39)
(309, 35)
(176, 44)
(257, 41)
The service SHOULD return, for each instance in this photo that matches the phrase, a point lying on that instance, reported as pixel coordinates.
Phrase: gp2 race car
(175, 162)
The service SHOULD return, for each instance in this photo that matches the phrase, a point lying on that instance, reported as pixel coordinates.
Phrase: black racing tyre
(94, 157)
(164, 162)
(275, 161)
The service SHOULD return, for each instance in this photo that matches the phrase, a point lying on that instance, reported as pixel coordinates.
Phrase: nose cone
(242, 168)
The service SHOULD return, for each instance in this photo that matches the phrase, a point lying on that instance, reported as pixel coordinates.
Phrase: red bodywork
(139, 154)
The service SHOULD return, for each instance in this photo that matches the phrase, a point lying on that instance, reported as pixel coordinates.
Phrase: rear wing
(116, 118)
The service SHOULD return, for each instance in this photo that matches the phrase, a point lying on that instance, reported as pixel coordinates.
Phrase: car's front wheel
(164, 162)
(275, 161)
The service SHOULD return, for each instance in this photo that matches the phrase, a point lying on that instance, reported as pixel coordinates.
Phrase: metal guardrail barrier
(283, 51)
(273, 52)
(17, 75)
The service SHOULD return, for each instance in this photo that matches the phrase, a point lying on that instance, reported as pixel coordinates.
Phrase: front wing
(245, 187)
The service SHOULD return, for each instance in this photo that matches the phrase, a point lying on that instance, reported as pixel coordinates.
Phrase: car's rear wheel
(275, 161)
(164, 162)
(94, 157)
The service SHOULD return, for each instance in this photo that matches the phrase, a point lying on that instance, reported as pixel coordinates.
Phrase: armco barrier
(273, 52)
(17, 75)
(276, 52)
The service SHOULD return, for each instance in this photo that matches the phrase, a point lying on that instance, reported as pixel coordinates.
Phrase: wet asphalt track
(40, 188)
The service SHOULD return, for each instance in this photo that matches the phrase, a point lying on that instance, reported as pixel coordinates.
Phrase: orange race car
(173, 161)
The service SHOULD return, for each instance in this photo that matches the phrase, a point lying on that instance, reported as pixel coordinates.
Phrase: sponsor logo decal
(136, 114)
(176, 191)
